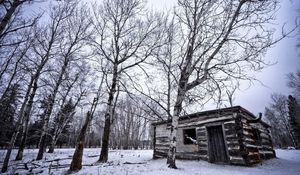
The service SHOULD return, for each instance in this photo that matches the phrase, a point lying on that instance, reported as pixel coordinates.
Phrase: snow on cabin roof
(214, 111)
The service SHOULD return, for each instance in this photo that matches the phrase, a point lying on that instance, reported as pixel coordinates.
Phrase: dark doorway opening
(216, 146)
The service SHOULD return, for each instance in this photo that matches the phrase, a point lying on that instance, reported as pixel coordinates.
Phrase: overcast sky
(285, 53)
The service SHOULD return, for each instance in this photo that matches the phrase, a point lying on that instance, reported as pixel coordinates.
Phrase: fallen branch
(66, 158)
(135, 163)
(93, 155)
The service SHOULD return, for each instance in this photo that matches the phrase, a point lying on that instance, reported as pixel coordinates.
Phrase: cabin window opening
(189, 136)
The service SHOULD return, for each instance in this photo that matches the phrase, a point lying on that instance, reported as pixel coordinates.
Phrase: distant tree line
(283, 114)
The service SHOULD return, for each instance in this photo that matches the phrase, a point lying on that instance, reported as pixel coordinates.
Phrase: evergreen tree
(8, 107)
(294, 118)
(34, 132)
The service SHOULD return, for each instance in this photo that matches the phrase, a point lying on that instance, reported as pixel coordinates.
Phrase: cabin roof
(233, 109)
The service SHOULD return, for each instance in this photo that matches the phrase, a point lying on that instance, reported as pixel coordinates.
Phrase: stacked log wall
(259, 148)
(250, 143)
(232, 129)
(202, 141)
(161, 141)
(266, 149)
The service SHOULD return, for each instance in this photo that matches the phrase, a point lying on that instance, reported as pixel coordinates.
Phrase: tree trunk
(53, 143)
(23, 141)
(76, 163)
(18, 127)
(49, 110)
(105, 141)
(27, 117)
(182, 88)
(108, 118)
(51, 147)
(44, 129)
(9, 15)
(8, 153)
(173, 140)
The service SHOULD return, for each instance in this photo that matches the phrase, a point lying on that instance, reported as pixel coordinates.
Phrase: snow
(120, 163)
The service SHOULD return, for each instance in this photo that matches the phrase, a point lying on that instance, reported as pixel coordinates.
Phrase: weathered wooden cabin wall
(161, 141)
(233, 130)
(265, 145)
(257, 141)
(242, 147)
(199, 151)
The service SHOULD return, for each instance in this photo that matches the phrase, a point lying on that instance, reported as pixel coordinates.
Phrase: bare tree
(220, 41)
(277, 115)
(125, 40)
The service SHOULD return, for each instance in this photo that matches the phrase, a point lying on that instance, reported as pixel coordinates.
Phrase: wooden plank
(202, 138)
(204, 121)
(232, 144)
(246, 133)
(162, 147)
(201, 128)
(231, 137)
(201, 134)
(162, 144)
(234, 147)
(202, 144)
(237, 160)
(229, 122)
(248, 145)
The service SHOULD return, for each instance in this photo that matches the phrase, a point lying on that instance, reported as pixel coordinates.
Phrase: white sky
(287, 56)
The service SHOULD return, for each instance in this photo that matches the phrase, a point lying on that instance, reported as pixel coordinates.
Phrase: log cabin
(228, 136)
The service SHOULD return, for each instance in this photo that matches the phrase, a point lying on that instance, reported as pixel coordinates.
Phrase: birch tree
(220, 41)
(126, 37)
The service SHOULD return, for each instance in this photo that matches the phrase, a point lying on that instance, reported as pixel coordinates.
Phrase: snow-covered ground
(134, 162)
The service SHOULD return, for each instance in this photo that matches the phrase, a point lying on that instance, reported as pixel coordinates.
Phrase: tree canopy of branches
(127, 36)
(219, 43)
